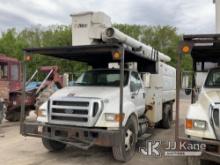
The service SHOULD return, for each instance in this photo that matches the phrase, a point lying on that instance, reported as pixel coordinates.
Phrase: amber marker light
(185, 49)
(189, 124)
(119, 118)
(116, 55)
(28, 58)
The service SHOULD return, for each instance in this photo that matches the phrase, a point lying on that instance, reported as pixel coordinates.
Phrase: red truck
(10, 80)
(11, 87)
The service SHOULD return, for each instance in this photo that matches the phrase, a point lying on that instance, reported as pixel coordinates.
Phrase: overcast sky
(189, 16)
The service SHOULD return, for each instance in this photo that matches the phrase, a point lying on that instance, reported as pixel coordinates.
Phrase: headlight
(195, 124)
(199, 124)
(114, 117)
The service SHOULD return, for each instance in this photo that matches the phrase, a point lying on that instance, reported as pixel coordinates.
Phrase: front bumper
(212, 152)
(72, 135)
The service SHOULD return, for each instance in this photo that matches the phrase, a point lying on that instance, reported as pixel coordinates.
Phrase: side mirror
(146, 79)
(65, 79)
(188, 91)
(132, 86)
(186, 81)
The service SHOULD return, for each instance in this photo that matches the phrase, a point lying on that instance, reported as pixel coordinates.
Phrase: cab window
(213, 79)
(14, 72)
(135, 82)
(3, 71)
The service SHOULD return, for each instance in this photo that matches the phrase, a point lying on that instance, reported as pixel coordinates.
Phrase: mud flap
(1, 111)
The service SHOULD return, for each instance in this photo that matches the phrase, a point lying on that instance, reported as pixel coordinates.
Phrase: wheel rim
(129, 139)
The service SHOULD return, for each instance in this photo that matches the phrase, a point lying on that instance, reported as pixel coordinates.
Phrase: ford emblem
(68, 111)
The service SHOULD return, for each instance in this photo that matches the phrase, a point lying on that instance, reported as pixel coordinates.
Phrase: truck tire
(188, 91)
(52, 145)
(12, 116)
(126, 150)
(194, 160)
(167, 116)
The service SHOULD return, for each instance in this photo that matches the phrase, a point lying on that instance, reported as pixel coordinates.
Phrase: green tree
(12, 43)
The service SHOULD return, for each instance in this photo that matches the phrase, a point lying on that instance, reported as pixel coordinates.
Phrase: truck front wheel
(126, 149)
(53, 145)
(194, 160)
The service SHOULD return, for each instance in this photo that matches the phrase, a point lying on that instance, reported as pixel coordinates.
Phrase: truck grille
(68, 103)
(75, 111)
(70, 111)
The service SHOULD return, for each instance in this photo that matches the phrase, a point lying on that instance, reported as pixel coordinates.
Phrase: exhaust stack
(217, 15)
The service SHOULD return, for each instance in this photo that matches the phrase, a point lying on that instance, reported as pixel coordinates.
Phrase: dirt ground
(18, 150)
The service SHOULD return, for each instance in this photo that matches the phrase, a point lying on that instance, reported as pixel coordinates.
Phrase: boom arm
(113, 34)
(92, 28)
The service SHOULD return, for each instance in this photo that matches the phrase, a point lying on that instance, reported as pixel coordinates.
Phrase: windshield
(213, 79)
(102, 78)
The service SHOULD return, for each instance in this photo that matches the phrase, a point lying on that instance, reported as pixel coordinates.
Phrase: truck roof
(205, 47)
(91, 54)
(117, 69)
(5, 58)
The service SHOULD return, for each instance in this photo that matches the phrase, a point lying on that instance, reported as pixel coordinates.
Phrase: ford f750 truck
(202, 118)
(129, 89)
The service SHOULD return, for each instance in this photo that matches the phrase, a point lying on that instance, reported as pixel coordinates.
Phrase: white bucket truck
(106, 106)
(203, 116)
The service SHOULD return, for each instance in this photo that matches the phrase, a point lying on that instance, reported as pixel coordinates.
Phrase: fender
(192, 113)
(113, 107)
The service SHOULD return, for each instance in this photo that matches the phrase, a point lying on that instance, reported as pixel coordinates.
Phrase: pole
(121, 89)
(178, 73)
(22, 115)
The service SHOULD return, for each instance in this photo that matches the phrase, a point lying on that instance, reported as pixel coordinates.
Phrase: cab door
(137, 92)
(14, 76)
(4, 80)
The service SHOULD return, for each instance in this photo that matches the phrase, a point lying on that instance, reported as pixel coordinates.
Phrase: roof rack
(205, 47)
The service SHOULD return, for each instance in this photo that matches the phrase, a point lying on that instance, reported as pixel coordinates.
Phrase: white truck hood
(201, 111)
(214, 95)
(84, 91)
(209, 96)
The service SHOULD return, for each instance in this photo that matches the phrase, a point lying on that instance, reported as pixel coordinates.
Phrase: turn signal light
(189, 124)
(119, 118)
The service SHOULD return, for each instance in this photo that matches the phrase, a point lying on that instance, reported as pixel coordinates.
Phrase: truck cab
(10, 80)
(10, 75)
(202, 117)
(97, 90)
(206, 125)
